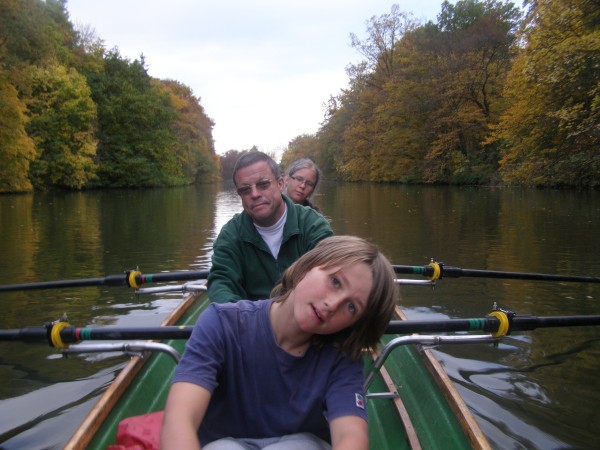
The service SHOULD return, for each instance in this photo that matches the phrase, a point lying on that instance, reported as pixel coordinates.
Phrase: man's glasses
(301, 180)
(261, 185)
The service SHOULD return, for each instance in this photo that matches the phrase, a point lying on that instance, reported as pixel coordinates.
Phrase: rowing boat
(412, 402)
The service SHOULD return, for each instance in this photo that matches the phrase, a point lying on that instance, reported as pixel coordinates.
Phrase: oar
(434, 271)
(131, 278)
(62, 333)
(439, 270)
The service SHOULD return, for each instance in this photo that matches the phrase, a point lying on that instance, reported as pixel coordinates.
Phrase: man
(255, 247)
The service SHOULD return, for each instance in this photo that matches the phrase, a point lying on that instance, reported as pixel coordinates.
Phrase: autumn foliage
(75, 115)
(486, 95)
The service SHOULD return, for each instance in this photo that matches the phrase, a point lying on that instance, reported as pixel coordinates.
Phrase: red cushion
(139, 433)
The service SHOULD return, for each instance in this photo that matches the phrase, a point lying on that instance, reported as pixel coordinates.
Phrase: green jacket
(242, 265)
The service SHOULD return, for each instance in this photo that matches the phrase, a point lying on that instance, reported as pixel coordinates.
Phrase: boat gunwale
(457, 404)
(86, 431)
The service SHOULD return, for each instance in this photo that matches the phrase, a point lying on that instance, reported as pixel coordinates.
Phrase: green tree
(62, 116)
(36, 31)
(551, 133)
(330, 137)
(135, 129)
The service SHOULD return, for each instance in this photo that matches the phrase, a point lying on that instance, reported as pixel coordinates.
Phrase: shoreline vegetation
(488, 94)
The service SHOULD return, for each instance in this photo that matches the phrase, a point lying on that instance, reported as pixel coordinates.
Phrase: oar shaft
(70, 334)
(456, 272)
(110, 280)
(441, 326)
(525, 323)
(436, 270)
(172, 276)
(489, 324)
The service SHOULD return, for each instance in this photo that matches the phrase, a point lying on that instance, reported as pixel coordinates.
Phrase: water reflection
(61, 236)
(227, 204)
(535, 390)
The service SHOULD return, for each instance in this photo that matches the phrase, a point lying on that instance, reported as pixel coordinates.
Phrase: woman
(301, 180)
(286, 373)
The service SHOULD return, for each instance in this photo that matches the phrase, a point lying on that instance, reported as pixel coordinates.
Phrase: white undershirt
(273, 235)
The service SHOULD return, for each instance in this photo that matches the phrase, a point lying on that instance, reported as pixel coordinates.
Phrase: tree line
(75, 115)
(489, 94)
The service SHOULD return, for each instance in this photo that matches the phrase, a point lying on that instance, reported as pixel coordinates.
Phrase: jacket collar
(291, 228)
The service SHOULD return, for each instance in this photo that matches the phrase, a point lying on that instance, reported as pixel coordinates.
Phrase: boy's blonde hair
(343, 251)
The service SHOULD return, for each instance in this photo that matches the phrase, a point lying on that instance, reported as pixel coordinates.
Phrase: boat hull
(427, 413)
(141, 387)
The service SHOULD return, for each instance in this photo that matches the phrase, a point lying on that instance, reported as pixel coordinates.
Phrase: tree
(472, 54)
(228, 161)
(16, 148)
(384, 32)
(135, 130)
(364, 154)
(36, 32)
(302, 146)
(420, 110)
(551, 133)
(194, 145)
(62, 116)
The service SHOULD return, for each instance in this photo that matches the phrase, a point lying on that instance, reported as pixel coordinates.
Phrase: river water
(535, 390)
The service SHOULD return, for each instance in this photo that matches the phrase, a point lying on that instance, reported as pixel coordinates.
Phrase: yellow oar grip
(55, 334)
(504, 324)
(131, 279)
(436, 271)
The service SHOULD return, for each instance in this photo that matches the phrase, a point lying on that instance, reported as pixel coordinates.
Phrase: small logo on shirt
(360, 401)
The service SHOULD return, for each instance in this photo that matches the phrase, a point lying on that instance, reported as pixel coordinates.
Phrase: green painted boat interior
(435, 423)
(148, 391)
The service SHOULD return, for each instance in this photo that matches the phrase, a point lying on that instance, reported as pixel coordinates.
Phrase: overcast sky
(262, 69)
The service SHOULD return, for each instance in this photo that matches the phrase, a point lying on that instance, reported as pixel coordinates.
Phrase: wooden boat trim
(461, 410)
(88, 428)
(411, 433)
(476, 437)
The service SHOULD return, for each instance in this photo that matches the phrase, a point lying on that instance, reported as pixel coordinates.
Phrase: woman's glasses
(301, 180)
(262, 185)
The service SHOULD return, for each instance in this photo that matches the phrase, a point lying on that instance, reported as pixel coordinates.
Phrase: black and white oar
(436, 270)
(499, 323)
(131, 278)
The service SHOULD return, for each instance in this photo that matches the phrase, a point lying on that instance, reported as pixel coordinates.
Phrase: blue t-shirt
(258, 389)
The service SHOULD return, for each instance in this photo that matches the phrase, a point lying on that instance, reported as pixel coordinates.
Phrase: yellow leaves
(16, 148)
